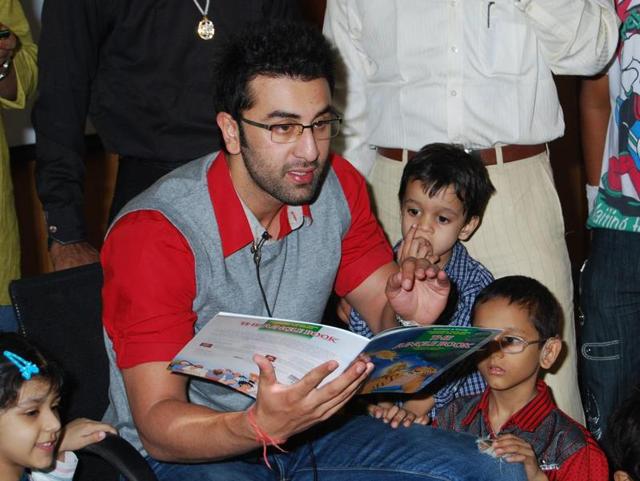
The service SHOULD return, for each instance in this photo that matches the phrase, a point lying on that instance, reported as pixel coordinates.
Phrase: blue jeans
(610, 333)
(8, 321)
(359, 449)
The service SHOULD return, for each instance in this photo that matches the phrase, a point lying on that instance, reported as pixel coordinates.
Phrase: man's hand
(515, 450)
(81, 432)
(282, 411)
(66, 256)
(419, 291)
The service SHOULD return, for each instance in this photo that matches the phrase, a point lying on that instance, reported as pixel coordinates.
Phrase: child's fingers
(390, 413)
(424, 420)
(514, 458)
(375, 411)
(401, 417)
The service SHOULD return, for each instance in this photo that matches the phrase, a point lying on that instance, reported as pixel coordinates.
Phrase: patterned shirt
(565, 450)
(468, 277)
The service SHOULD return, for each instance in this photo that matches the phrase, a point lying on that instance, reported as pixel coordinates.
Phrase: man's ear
(469, 228)
(621, 476)
(230, 132)
(550, 352)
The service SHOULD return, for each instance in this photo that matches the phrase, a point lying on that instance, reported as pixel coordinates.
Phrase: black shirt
(145, 78)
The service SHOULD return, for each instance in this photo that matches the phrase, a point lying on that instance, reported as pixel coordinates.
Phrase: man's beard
(274, 182)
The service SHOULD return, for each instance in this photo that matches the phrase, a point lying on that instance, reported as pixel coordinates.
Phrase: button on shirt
(475, 72)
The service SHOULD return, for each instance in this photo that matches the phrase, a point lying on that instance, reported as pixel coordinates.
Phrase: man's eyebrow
(283, 114)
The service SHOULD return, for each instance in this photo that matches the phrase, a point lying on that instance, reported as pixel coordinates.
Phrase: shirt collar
(233, 225)
(528, 418)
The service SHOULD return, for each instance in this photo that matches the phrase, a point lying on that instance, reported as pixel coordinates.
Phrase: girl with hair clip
(33, 444)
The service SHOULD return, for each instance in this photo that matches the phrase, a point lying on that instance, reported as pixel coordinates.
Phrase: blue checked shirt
(468, 277)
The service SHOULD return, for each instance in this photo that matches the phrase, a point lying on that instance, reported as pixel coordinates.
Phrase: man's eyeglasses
(511, 344)
(290, 132)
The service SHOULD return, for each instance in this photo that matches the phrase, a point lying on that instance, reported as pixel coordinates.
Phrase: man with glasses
(516, 416)
(269, 227)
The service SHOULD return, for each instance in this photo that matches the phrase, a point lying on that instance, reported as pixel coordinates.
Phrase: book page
(222, 350)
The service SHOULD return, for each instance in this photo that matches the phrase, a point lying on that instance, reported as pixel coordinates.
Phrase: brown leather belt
(510, 153)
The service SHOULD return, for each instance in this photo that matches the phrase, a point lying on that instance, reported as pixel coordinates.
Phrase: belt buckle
(475, 153)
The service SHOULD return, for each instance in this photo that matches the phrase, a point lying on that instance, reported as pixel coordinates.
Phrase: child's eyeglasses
(511, 344)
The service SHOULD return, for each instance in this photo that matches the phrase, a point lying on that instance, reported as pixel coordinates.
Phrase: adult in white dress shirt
(476, 73)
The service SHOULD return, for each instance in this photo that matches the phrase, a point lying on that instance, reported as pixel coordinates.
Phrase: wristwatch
(4, 68)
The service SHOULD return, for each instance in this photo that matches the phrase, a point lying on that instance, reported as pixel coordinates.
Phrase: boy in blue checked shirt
(443, 193)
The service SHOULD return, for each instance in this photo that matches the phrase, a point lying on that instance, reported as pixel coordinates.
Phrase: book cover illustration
(409, 360)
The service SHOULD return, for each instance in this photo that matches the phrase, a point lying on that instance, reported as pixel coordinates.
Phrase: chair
(61, 313)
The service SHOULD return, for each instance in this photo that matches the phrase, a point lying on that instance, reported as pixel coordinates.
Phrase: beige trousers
(522, 232)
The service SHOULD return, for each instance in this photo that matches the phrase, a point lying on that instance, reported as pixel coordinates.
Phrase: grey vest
(297, 272)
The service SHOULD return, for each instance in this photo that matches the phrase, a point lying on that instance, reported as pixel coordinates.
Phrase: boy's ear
(550, 352)
(230, 132)
(469, 228)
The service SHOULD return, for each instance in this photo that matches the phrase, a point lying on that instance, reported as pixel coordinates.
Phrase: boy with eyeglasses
(516, 418)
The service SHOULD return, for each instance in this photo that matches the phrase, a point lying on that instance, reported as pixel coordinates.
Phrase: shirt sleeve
(478, 279)
(68, 58)
(588, 464)
(364, 247)
(577, 37)
(24, 61)
(62, 471)
(149, 287)
(341, 27)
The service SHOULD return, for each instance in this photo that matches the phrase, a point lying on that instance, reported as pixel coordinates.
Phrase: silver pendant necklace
(205, 29)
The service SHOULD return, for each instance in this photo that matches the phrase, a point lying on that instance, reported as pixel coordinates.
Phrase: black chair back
(61, 313)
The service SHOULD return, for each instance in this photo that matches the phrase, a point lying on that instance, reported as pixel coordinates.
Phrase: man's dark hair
(439, 166)
(544, 309)
(276, 49)
(623, 437)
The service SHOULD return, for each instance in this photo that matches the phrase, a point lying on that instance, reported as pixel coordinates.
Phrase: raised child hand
(81, 432)
(418, 247)
(515, 450)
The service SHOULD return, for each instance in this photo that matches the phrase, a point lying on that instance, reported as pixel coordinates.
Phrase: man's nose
(307, 146)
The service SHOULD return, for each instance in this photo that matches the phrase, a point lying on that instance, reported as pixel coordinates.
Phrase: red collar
(527, 419)
(233, 225)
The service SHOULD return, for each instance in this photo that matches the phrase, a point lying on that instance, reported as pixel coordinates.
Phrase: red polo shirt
(588, 463)
(149, 271)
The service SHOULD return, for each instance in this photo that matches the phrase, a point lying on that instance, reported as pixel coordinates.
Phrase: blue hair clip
(26, 368)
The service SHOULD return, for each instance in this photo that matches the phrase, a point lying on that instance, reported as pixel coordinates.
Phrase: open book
(406, 359)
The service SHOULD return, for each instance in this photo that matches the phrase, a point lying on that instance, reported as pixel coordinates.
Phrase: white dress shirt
(473, 72)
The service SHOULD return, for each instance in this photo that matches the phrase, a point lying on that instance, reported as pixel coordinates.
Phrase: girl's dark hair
(277, 49)
(11, 379)
(623, 437)
(544, 310)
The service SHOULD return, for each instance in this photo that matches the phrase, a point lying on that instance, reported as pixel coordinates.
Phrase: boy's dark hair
(544, 309)
(277, 49)
(11, 379)
(623, 437)
(439, 166)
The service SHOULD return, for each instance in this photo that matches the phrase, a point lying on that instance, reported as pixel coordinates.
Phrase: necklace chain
(204, 11)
